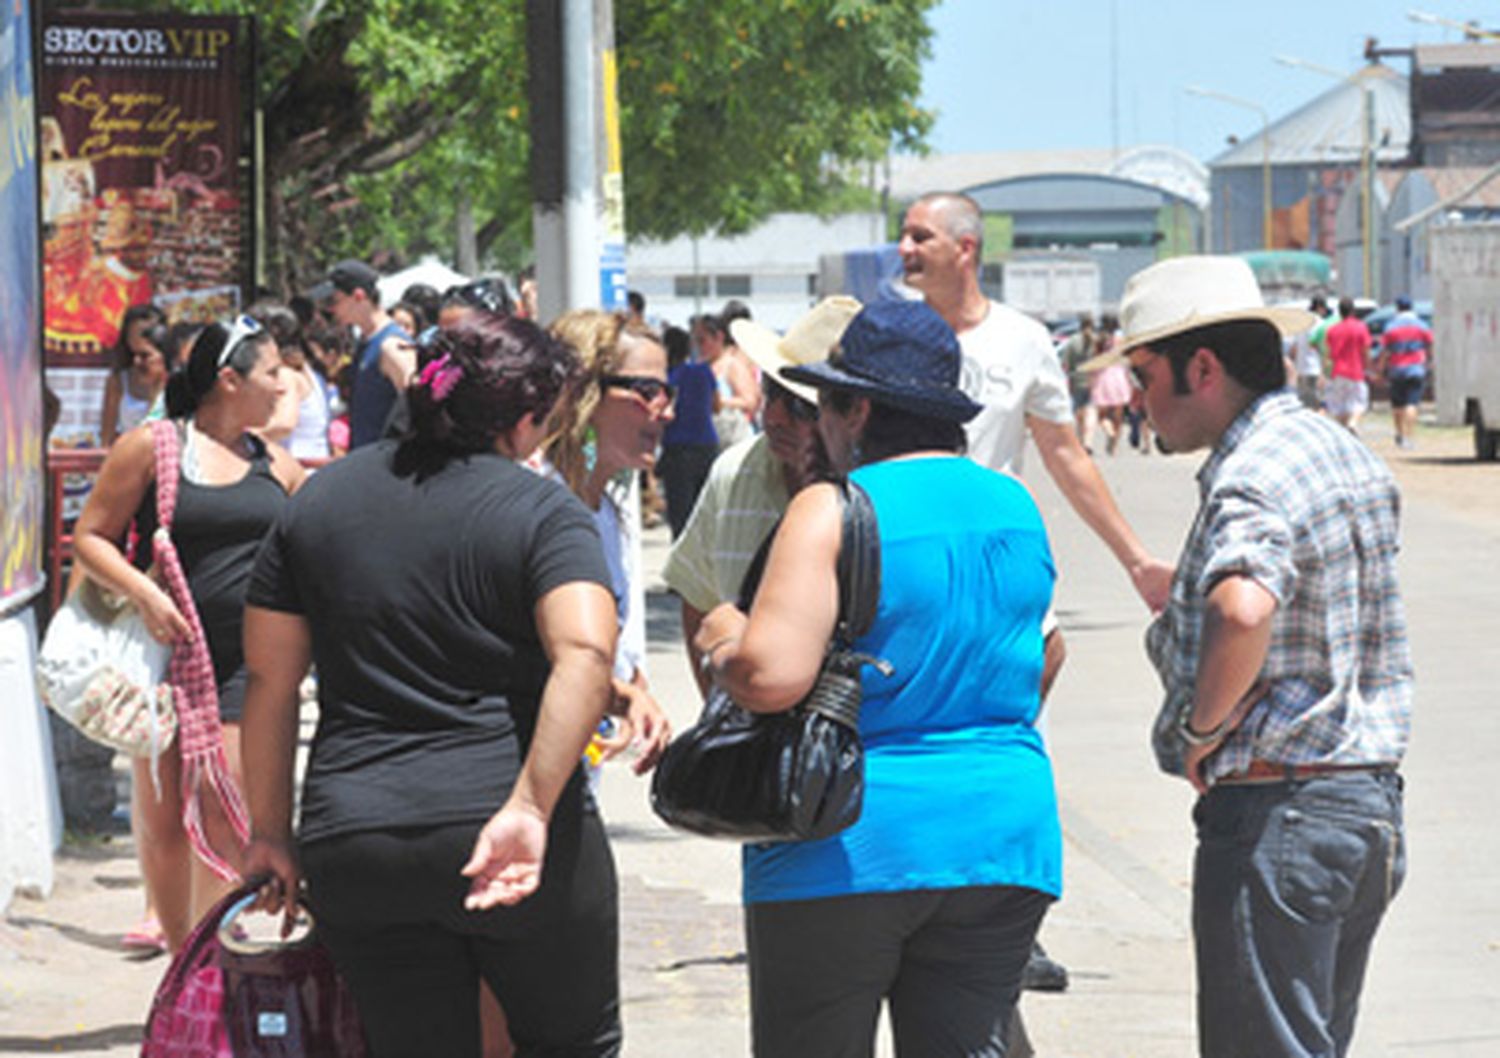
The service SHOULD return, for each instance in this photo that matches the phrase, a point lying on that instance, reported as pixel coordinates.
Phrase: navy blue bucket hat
(898, 353)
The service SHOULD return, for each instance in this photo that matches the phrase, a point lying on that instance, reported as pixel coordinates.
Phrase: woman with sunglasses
(608, 427)
(232, 487)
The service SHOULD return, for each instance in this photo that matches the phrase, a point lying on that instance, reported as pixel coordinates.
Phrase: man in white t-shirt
(1010, 367)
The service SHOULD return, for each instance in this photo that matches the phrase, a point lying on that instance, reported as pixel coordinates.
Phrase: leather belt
(1264, 771)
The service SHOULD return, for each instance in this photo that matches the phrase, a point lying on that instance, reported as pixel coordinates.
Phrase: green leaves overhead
(382, 114)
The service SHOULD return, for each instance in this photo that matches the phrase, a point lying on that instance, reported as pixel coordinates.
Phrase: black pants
(389, 906)
(683, 469)
(948, 960)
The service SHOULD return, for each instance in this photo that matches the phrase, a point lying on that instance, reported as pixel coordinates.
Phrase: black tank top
(218, 530)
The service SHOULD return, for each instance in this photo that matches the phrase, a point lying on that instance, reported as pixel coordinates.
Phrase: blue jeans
(1289, 886)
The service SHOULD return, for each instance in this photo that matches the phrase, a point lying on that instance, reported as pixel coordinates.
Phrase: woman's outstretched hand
(506, 865)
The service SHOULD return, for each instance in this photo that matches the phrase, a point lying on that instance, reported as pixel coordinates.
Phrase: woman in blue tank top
(931, 900)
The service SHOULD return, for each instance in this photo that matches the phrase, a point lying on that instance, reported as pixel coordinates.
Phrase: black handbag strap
(858, 564)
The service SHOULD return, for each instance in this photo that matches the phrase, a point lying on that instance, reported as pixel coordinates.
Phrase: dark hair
(710, 322)
(122, 356)
(1346, 307)
(180, 339)
(891, 431)
(504, 368)
(734, 309)
(192, 382)
(282, 324)
(1318, 304)
(419, 318)
(636, 300)
(679, 345)
(1250, 351)
(334, 342)
(305, 308)
(426, 299)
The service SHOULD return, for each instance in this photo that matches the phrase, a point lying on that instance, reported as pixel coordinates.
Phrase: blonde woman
(607, 427)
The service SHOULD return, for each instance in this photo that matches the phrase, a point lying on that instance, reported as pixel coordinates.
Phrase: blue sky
(1036, 74)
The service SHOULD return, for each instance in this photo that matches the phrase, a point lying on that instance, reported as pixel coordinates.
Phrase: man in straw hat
(1011, 368)
(752, 481)
(1284, 658)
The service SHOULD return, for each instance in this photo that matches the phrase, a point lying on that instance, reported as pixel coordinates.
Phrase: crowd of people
(462, 573)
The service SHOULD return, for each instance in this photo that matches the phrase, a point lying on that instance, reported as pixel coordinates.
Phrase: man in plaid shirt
(1284, 657)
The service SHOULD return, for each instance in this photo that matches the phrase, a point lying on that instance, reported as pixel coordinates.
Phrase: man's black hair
(1250, 351)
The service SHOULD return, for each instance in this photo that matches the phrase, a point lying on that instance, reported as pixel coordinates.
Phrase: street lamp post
(1265, 151)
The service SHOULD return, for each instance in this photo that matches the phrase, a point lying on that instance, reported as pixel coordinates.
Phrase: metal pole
(580, 206)
(1265, 180)
(565, 68)
(1367, 212)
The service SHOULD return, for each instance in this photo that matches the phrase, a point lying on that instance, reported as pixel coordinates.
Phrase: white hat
(808, 340)
(1184, 293)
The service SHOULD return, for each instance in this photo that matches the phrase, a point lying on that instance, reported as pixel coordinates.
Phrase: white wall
(779, 258)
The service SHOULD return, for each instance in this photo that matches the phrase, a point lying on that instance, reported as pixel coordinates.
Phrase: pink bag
(200, 739)
(224, 998)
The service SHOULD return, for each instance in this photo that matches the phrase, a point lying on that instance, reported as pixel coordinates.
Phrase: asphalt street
(1122, 927)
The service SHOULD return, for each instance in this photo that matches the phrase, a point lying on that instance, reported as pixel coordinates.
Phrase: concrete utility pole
(577, 188)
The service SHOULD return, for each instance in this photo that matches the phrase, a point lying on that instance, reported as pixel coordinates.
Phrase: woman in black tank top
(231, 490)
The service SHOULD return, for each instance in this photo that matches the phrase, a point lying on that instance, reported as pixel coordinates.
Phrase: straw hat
(810, 338)
(1184, 293)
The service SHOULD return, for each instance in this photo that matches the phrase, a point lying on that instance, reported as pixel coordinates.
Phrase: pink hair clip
(441, 376)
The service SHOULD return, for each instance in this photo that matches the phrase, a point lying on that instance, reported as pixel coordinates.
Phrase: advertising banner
(22, 485)
(145, 185)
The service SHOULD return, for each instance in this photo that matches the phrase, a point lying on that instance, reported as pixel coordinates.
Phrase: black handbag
(796, 775)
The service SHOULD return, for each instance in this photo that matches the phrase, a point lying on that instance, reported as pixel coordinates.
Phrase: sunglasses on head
(482, 294)
(650, 390)
(243, 327)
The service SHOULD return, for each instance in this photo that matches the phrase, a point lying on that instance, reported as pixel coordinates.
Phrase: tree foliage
(381, 116)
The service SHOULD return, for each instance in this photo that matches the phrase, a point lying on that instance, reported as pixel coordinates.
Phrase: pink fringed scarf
(200, 739)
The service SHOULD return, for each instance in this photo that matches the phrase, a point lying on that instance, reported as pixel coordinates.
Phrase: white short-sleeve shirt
(1012, 369)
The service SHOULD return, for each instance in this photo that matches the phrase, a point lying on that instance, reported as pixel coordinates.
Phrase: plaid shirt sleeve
(1249, 535)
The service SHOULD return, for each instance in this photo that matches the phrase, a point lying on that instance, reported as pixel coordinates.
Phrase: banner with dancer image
(146, 193)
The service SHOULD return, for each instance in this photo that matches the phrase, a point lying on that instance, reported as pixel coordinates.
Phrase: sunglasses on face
(796, 407)
(651, 390)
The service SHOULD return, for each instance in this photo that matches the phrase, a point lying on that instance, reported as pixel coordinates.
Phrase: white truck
(1052, 288)
(1465, 261)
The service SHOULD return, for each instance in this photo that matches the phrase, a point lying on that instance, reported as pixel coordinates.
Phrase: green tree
(382, 115)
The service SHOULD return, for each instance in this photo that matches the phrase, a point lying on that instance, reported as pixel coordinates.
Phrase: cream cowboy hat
(1185, 293)
(809, 339)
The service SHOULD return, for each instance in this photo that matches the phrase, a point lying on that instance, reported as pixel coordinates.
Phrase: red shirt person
(1348, 353)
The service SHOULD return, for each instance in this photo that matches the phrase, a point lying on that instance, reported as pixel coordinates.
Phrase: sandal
(145, 935)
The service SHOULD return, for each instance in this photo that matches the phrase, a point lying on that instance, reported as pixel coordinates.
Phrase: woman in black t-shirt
(232, 486)
(458, 609)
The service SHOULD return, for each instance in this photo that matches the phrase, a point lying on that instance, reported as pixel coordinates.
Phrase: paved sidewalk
(1122, 926)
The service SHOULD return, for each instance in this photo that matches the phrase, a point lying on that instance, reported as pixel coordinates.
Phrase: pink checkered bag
(226, 996)
(200, 739)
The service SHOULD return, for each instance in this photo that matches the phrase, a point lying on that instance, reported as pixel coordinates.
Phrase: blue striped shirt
(1295, 502)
